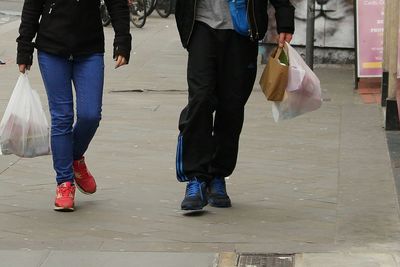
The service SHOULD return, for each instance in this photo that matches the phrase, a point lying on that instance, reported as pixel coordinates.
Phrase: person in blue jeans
(70, 44)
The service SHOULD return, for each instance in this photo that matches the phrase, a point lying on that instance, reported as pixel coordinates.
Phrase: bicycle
(137, 13)
(163, 7)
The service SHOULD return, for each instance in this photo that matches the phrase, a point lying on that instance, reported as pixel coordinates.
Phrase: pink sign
(370, 28)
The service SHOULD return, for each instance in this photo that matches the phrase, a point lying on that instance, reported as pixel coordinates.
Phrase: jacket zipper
(248, 18)
(194, 20)
(255, 21)
(252, 15)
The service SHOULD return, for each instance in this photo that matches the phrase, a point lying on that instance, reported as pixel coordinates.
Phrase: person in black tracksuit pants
(222, 67)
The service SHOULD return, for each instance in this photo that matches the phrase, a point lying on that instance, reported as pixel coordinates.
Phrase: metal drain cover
(265, 260)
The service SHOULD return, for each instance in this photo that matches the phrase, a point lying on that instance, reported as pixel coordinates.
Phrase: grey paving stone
(134, 259)
(346, 259)
(21, 258)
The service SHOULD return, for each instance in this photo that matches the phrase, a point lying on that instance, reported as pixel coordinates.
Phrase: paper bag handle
(278, 52)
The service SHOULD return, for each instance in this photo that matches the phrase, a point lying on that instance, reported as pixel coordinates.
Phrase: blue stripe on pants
(179, 161)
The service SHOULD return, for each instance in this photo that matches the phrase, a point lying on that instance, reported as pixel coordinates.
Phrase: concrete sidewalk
(319, 186)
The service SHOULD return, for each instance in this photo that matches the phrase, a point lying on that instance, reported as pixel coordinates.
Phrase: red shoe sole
(83, 191)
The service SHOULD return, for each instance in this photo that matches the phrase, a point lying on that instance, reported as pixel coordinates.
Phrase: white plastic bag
(303, 93)
(24, 130)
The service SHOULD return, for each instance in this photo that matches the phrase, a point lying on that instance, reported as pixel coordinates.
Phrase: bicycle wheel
(150, 6)
(105, 16)
(137, 10)
(164, 8)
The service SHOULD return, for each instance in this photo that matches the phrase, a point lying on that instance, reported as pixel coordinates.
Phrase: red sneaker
(65, 195)
(83, 178)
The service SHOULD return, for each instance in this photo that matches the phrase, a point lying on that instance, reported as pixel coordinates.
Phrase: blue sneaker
(195, 196)
(217, 196)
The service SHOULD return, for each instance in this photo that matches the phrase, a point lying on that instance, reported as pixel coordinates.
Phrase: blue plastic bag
(238, 10)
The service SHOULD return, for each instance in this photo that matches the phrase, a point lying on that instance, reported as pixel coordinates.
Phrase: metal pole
(310, 33)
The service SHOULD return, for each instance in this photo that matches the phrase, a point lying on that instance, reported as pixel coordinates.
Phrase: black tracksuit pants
(221, 71)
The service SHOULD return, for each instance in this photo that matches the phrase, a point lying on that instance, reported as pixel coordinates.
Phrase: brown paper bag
(274, 78)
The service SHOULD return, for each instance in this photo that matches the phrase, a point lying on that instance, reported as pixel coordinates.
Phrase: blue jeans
(69, 142)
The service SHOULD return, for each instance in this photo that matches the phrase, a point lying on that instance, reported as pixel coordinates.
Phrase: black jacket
(71, 28)
(185, 14)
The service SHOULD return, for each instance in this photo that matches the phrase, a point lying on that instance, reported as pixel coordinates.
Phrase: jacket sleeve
(284, 14)
(119, 13)
(31, 13)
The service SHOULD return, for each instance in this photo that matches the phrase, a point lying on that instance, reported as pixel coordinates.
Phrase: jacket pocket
(49, 22)
(50, 8)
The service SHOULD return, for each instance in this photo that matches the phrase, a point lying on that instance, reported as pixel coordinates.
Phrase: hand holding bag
(274, 79)
(24, 130)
